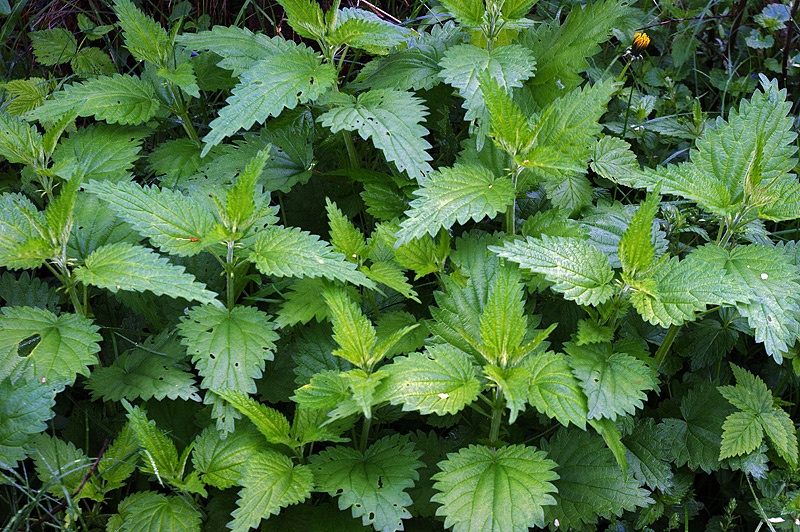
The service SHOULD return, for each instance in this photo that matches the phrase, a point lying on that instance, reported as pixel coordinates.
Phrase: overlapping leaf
(23, 412)
(495, 490)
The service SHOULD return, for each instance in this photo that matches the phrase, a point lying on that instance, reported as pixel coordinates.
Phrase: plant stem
(351, 149)
(663, 349)
(509, 225)
(497, 416)
(365, 426)
(230, 285)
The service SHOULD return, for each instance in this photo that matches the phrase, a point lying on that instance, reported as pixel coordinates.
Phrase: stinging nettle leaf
(20, 142)
(440, 380)
(123, 266)
(23, 412)
(371, 484)
(495, 490)
(117, 99)
(64, 346)
(455, 195)
(271, 85)
(291, 252)
(269, 422)
(578, 270)
(554, 390)
(175, 223)
(391, 119)
(144, 37)
(636, 249)
(148, 511)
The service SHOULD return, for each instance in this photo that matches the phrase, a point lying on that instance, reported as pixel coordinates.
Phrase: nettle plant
(517, 381)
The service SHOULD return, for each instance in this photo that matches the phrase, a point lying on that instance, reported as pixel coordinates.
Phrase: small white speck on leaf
(776, 519)
(117, 287)
(764, 276)
(556, 522)
(443, 395)
(44, 380)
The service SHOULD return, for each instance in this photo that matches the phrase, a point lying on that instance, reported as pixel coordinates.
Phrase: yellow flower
(640, 41)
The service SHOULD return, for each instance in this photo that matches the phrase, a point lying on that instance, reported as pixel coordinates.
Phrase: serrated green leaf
(28, 291)
(291, 252)
(372, 484)
(647, 456)
(66, 345)
(741, 434)
(389, 274)
(24, 95)
(94, 226)
(269, 482)
(328, 391)
(219, 460)
(345, 237)
(579, 270)
(636, 249)
(119, 461)
(183, 76)
(117, 99)
(305, 17)
(175, 158)
(615, 383)
(512, 383)
(62, 467)
(455, 195)
(503, 323)
(364, 30)
(591, 483)
(269, 422)
(495, 490)
(123, 266)
(463, 64)
(144, 37)
(553, 389)
(153, 369)
(510, 127)
(175, 223)
(147, 511)
(782, 433)
(765, 289)
(440, 380)
(239, 48)
(613, 158)
(314, 425)
(516, 9)
(271, 85)
(20, 142)
(228, 347)
(363, 390)
(469, 12)
(591, 332)
(302, 303)
(22, 233)
(23, 412)
(102, 151)
(391, 119)
(240, 202)
(561, 48)
(351, 329)
(158, 452)
(54, 46)
(695, 440)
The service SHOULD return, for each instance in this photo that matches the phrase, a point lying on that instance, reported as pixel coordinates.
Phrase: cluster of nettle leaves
(513, 401)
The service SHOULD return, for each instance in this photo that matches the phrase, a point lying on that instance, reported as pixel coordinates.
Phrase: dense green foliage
(500, 267)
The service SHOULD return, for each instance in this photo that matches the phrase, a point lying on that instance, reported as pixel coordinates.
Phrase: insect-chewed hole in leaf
(339, 491)
(380, 481)
(371, 516)
(212, 356)
(26, 346)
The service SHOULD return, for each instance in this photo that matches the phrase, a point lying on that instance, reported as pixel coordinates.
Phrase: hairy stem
(365, 426)
(497, 416)
(230, 286)
(663, 349)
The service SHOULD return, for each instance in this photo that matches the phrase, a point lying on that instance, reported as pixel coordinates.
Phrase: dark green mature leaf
(695, 440)
(54, 46)
(271, 85)
(469, 12)
(455, 195)
(372, 484)
(148, 511)
(144, 37)
(219, 460)
(152, 369)
(229, 347)
(22, 233)
(358, 28)
(553, 389)
(441, 380)
(175, 223)
(495, 490)
(157, 449)
(117, 99)
(102, 151)
(28, 291)
(239, 48)
(615, 383)
(578, 270)
(591, 483)
(62, 467)
(122, 266)
(23, 411)
(391, 119)
(647, 456)
(67, 344)
(270, 482)
(20, 142)
(290, 252)
(765, 289)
